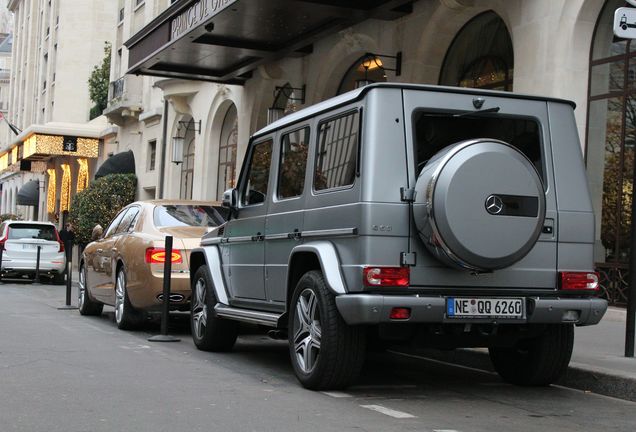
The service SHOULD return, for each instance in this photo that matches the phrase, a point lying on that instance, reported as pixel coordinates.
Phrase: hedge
(100, 202)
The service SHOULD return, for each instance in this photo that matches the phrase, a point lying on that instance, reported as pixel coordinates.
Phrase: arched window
(227, 152)
(366, 70)
(187, 167)
(611, 134)
(480, 56)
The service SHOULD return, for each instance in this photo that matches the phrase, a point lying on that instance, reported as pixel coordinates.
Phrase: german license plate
(501, 308)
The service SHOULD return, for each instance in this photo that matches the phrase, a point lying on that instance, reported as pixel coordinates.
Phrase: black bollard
(165, 310)
(1, 251)
(36, 280)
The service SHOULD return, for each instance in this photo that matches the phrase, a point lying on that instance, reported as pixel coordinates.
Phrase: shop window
(367, 69)
(611, 135)
(227, 152)
(337, 152)
(293, 163)
(480, 56)
(255, 190)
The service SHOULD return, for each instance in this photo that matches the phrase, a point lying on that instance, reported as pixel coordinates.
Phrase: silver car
(20, 241)
(430, 216)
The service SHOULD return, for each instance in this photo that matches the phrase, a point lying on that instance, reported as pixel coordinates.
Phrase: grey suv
(440, 217)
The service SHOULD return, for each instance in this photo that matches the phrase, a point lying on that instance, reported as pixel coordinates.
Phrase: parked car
(434, 216)
(123, 267)
(20, 240)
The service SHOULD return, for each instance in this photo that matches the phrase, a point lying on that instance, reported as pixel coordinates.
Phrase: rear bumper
(56, 264)
(375, 309)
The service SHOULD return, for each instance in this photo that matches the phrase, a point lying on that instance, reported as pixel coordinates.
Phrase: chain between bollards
(165, 309)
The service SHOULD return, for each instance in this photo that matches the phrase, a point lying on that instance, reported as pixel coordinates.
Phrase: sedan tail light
(579, 281)
(158, 256)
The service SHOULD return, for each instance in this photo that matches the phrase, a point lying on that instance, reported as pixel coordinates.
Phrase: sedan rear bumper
(376, 309)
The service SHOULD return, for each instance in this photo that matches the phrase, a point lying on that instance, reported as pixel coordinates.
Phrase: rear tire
(209, 332)
(326, 353)
(126, 316)
(85, 304)
(536, 362)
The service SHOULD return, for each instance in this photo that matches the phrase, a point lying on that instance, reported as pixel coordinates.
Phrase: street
(60, 371)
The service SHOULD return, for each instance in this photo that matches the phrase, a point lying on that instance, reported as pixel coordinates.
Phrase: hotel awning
(121, 163)
(224, 40)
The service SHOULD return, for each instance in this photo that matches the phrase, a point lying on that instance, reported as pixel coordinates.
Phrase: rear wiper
(474, 113)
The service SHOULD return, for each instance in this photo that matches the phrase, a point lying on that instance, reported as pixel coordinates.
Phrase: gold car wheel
(199, 309)
(81, 288)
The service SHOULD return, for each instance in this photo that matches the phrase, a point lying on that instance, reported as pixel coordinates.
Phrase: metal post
(1, 252)
(69, 274)
(36, 280)
(165, 310)
(630, 321)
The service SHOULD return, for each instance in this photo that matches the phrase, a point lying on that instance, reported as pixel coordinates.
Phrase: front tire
(209, 332)
(326, 353)
(85, 304)
(126, 317)
(536, 362)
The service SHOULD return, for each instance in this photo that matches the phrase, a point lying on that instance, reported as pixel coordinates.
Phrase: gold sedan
(123, 266)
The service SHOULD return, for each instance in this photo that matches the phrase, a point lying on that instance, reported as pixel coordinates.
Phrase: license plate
(28, 246)
(466, 307)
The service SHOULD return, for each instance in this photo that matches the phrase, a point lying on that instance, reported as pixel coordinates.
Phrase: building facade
(56, 44)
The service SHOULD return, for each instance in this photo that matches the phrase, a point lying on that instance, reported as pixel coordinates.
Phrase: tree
(98, 82)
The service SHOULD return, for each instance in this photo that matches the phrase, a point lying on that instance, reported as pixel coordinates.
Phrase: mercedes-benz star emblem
(494, 205)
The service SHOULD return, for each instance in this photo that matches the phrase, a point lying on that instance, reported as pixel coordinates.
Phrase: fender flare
(329, 263)
(212, 258)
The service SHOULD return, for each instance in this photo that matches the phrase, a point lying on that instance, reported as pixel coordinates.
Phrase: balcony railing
(614, 281)
(117, 88)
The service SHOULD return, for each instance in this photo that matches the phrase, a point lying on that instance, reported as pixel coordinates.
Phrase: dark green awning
(121, 163)
(29, 194)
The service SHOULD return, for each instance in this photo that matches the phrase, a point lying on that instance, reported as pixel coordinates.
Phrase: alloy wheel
(307, 331)
(199, 309)
(120, 290)
(81, 288)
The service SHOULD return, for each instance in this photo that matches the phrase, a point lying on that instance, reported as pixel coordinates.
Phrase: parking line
(337, 394)
(388, 411)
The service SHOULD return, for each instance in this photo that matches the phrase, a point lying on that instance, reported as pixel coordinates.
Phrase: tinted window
(255, 189)
(128, 221)
(113, 225)
(434, 131)
(337, 152)
(26, 231)
(293, 163)
(189, 215)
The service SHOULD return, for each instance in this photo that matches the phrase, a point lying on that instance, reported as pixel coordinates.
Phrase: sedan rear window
(189, 215)
(34, 231)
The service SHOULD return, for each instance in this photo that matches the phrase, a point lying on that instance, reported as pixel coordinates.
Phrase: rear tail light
(386, 276)
(59, 240)
(579, 281)
(3, 238)
(158, 256)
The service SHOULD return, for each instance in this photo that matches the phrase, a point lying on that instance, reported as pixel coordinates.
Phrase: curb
(576, 377)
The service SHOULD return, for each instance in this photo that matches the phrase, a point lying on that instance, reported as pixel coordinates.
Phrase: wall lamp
(177, 141)
(281, 96)
(372, 61)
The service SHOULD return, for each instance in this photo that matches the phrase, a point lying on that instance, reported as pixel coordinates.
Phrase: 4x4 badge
(494, 205)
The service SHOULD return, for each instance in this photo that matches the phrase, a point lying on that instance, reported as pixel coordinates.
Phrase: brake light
(158, 256)
(386, 276)
(587, 281)
(59, 240)
(3, 239)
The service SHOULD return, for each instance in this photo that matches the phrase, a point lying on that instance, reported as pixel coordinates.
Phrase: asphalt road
(60, 371)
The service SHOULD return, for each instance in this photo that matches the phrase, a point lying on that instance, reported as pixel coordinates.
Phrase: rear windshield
(434, 131)
(26, 231)
(189, 215)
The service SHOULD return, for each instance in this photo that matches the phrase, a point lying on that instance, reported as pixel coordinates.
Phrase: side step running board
(247, 315)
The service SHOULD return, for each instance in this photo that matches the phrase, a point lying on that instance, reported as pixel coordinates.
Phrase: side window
(112, 228)
(255, 188)
(128, 220)
(337, 152)
(293, 163)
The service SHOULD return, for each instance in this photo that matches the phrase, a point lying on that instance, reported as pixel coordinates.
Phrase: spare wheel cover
(480, 205)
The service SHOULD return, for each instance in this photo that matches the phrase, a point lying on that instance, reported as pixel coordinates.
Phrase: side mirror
(97, 232)
(230, 199)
